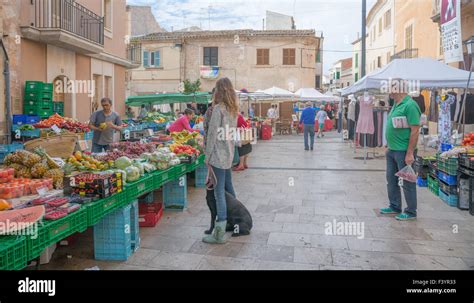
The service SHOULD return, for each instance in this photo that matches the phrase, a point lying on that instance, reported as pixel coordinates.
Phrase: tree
(192, 87)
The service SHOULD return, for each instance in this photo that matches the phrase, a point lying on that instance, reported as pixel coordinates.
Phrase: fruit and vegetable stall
(52, 188)
(62, 195)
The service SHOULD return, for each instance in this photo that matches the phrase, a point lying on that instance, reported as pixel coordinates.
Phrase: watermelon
(12, 221)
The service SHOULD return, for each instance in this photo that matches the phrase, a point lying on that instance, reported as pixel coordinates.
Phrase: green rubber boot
(218, 234)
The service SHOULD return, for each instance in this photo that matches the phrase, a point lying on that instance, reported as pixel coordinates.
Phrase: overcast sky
(339, 20)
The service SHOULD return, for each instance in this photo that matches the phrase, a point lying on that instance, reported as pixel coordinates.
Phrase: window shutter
(146, 62)
(157, 59)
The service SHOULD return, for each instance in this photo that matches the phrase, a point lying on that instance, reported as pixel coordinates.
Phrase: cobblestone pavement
(292, 194)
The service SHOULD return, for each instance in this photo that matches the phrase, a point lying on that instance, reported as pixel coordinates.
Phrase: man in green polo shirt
(403, 128)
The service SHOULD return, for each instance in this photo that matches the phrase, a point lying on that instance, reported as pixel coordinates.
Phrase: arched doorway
(63, 93)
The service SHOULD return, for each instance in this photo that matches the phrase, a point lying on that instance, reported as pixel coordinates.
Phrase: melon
(12, 221)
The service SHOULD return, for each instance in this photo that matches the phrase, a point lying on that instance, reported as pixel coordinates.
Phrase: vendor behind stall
(183, 122)
(104, 123)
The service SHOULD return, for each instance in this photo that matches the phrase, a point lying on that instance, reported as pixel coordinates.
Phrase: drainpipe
(6, 73)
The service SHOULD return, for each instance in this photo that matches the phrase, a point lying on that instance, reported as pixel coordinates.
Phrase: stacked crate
(421, 167)
(38, 99)
(433, 182)
(58, 107)
(448, 179)
(117, 235)
(466, 182)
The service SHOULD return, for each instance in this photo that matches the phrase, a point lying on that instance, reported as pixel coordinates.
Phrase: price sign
(42, 191)
(56, 129)
(126, 134)
(17, 134)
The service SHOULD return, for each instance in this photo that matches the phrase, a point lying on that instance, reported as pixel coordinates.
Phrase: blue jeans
(308, 130)
(395, 162)
(224, 184)
(97, 148)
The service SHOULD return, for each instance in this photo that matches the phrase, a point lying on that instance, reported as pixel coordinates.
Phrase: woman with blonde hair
(219, 151)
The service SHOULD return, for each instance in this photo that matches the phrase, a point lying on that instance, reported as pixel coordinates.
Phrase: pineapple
(31, 159)
(8, 159)
(39, 169)
(17, 167)
(24, 172)
(57, 176)
(40, 151)
(13, 158)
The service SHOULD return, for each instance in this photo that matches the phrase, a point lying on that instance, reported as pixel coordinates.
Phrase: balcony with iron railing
(134, 54)
(65, 23)
(406, 54)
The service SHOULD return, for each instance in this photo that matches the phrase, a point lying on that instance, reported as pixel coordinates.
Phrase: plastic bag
(407, 173)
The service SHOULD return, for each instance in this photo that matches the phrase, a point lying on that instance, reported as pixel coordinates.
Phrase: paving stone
(167, 244)
(229, 249)
(382, 245)
(289, 239)
(270, 265)
(224, 263)
(266, 252)
(174, 260)
(275, 209)
(316, 256)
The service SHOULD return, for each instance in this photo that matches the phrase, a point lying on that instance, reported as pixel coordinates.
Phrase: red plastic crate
(266, 132)
(149, 208)
(149, 220)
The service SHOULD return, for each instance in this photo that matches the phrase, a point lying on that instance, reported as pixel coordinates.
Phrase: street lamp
(470, 54)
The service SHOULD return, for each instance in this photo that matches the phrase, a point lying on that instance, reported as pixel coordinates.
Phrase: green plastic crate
(99, 209)
(13, 252)
(41, 112)
(180, 170)
(38, 96)
(51, 232)
(40, 103)
(34, 86)
(447, 165)
(161, 177)
(58, 106)
(433, 185)
(140, 187)
(48, 87)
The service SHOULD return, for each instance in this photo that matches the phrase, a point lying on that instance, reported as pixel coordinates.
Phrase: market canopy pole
(470, 53)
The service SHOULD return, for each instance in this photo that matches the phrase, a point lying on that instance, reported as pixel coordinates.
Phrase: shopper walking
(321, 116)
(219, 151)
(402, 137)
(246, 148)
(307, 118)
(104, 123)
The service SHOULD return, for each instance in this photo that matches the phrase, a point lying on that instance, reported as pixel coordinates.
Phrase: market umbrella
(168, 98)
(420, 73)
(311, 94)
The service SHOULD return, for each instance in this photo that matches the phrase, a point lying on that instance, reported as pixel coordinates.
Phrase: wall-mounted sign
(209, 72)
(450, 22)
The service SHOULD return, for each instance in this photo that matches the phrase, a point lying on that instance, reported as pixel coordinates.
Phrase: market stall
(448, 172)
(61, 189)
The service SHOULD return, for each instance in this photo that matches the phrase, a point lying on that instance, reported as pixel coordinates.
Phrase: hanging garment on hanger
(420, 100)
(365, 122)
(433, 113)
(453, 105)
(469, 109)
(457, 112)
(351, 111)
(384, 138)
(444, 123)
(357, 111)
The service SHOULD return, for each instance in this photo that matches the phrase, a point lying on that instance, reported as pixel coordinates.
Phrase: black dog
(239, 220)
